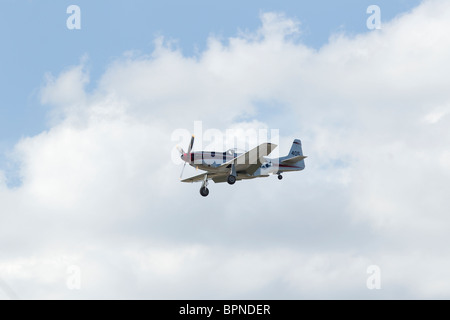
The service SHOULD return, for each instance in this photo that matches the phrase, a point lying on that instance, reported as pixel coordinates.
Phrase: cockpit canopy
(234, 151)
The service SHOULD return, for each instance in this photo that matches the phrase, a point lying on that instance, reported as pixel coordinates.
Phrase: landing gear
(204, 191)
(231, 179)
(280, 177)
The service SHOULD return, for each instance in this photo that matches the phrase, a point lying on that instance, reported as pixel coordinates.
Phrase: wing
(250, 161)
(216, 177)
(196, 178)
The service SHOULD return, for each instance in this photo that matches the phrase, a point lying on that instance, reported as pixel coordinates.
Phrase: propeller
(182, 170)
(180, 150)
(191, 144)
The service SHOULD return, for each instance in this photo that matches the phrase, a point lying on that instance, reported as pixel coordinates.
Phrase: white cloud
(99, 189)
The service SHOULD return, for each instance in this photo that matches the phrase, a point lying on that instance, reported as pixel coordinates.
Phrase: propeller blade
(188, 154)
(180, 149)
(182, 170)
(191, 145)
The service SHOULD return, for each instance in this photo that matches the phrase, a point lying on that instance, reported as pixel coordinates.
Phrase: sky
(90, 200)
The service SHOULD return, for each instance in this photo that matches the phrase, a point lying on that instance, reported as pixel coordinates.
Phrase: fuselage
(211, 161)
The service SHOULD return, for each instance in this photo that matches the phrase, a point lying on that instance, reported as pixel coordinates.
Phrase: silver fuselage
(212, 161)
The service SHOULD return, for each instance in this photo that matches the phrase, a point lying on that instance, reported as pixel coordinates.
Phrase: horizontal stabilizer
(294, 159)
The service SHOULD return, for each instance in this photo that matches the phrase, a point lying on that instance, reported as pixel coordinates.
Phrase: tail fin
(295, 156)
(296, 149)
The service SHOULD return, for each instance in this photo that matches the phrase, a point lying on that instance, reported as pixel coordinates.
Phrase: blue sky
(35, 39)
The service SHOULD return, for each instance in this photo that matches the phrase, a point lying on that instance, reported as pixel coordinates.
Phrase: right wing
(251, 160)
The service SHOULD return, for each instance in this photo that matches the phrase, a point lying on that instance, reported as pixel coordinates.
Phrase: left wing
(251, 160)
(214, 176)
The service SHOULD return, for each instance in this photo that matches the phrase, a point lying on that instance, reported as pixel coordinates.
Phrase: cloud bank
(100, 191)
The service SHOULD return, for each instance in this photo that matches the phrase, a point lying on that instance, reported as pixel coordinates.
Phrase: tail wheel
(231, 179)
(280, 177)
(204, 191)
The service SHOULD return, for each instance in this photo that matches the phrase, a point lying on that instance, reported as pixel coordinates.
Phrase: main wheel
(231, 179)
(204, 191)
(280, 177)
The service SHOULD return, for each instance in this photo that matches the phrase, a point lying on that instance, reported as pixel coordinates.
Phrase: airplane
(230, 166)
